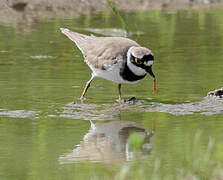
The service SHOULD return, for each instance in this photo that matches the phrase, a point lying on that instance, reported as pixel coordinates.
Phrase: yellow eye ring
(138, 61)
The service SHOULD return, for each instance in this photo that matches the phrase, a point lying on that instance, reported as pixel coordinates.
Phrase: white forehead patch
(148, 63)
(140, 56)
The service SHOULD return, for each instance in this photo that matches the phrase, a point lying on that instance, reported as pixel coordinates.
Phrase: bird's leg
(119, 92)
(86, 88)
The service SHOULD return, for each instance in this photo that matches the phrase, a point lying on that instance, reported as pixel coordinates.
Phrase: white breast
(111, 74)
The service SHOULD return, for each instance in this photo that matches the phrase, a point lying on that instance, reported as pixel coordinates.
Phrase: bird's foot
(132, 100)
(120, 100)
(82, 98)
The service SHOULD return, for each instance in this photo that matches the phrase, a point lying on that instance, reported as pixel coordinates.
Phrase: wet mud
(209, 105)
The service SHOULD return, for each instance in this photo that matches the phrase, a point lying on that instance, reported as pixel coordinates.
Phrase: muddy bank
(18, 13)
(209, 105)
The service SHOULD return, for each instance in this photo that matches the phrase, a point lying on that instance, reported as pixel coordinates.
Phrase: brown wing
(105, 51)
(100, 51)
(80, 40)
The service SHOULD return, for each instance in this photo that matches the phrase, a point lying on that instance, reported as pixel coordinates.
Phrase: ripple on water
(4, 51)
(87, 112)
(207, 106)
(42, 57)
(113, 32)
(17, 113)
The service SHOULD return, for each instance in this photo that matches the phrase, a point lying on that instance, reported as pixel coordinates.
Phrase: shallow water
(44, 135)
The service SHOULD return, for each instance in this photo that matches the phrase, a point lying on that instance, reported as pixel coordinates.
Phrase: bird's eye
(138, 61)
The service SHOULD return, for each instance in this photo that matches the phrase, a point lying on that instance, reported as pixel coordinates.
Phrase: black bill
(149, 70)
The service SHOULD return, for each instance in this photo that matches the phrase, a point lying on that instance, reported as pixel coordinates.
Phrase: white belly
(111, 74)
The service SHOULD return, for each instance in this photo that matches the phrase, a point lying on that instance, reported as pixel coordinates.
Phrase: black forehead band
(148, 57)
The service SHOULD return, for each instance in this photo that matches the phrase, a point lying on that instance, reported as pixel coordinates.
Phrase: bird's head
(140, 59)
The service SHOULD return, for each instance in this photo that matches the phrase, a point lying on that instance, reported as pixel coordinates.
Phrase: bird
(116, 59)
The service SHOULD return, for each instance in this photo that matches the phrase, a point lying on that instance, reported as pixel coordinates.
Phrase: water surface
(44, 136)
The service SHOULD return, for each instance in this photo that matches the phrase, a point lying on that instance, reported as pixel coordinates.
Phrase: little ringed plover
(117, 59)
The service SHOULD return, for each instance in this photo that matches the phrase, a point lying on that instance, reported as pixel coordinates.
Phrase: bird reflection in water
(109, 142)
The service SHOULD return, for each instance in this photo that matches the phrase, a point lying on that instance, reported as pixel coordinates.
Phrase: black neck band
(128, 75)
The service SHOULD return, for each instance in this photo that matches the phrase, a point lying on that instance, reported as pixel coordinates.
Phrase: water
(44, 136)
